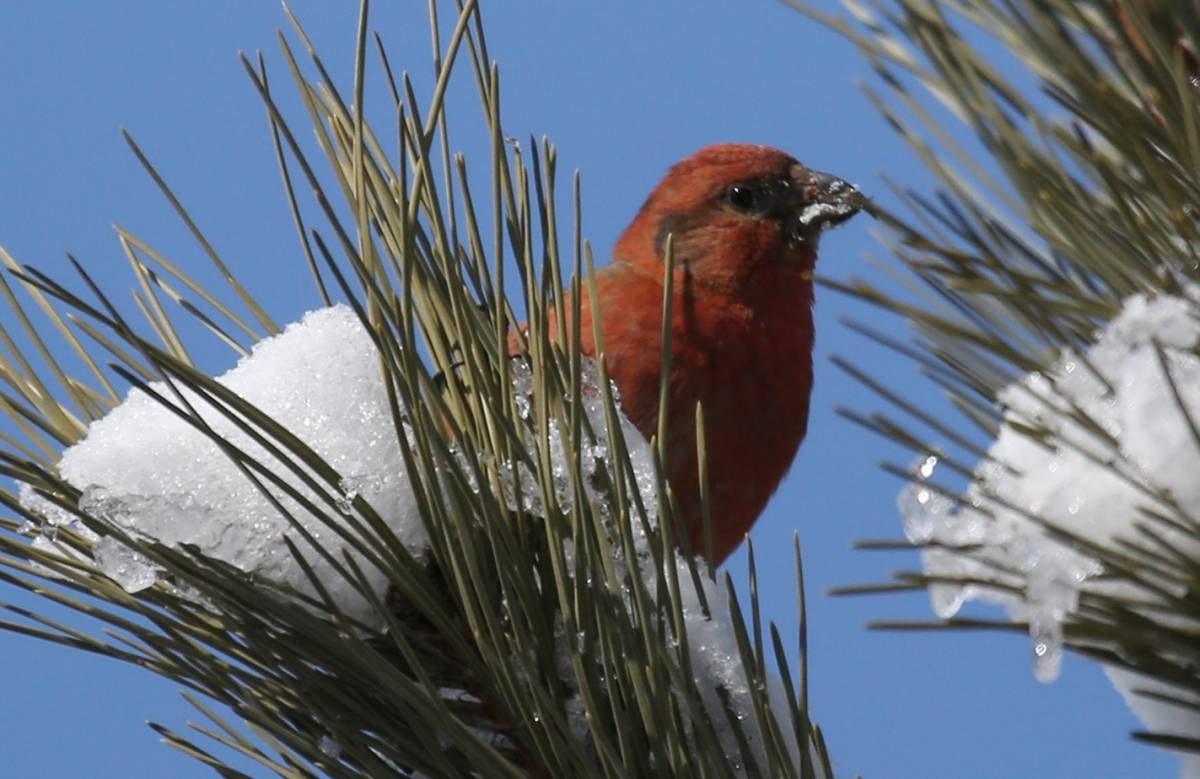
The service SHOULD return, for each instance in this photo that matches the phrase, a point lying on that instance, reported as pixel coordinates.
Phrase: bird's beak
(822, 201)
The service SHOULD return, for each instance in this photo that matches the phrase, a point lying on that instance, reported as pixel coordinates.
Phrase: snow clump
(156, 476)
(1118, 443)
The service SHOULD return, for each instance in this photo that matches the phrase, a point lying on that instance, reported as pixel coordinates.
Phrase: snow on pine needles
(148, 471)
(1120, 445)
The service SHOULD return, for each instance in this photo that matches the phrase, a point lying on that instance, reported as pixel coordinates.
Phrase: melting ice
(1117, 438)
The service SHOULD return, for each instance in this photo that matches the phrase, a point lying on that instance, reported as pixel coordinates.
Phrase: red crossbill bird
(744, 222)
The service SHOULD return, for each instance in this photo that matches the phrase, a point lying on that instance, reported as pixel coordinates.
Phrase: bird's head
(738, 214)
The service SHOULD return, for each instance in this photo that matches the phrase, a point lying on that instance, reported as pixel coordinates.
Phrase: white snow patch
(156, 476)
(1089, 481)
(1159, 716)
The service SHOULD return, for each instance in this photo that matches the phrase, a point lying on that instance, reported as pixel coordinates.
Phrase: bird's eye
(743, 197)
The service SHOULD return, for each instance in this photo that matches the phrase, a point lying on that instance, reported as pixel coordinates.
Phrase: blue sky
(624, 91)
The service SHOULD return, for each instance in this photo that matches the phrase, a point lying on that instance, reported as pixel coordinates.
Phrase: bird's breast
(751, 371)
(752, 374)
(748, 364)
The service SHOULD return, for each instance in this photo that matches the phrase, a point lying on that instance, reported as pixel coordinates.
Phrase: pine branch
(1055, 258)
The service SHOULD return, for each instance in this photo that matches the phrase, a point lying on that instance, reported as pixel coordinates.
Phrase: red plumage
(745, 222)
